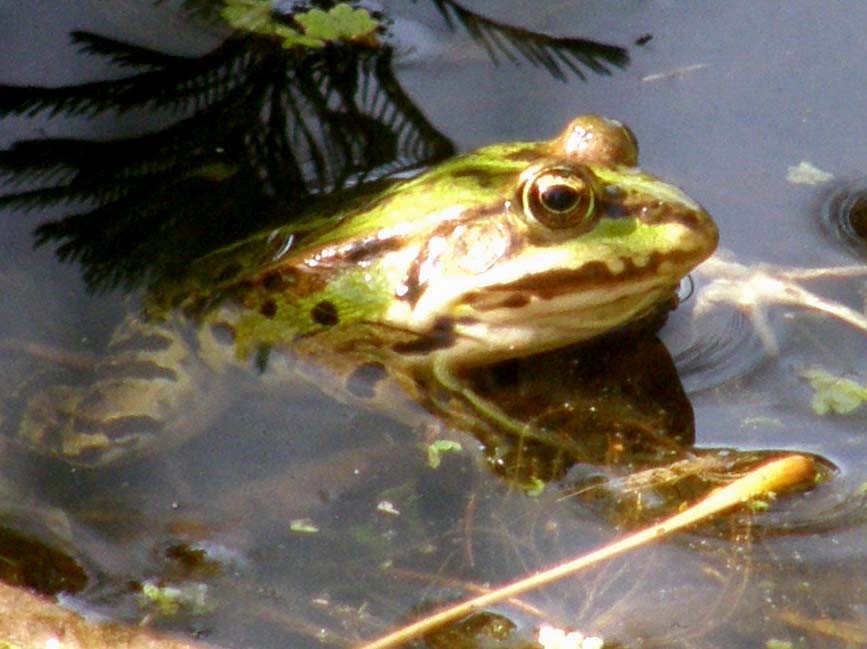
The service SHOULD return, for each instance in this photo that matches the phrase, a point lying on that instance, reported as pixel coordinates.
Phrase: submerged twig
(771, 477)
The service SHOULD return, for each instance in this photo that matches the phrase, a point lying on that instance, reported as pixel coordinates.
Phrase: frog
(505, 252)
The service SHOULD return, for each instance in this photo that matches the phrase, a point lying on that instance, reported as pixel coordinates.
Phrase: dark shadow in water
(843, 215)
(264, 128)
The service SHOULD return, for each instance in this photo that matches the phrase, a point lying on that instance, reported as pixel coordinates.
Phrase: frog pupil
(559, 198)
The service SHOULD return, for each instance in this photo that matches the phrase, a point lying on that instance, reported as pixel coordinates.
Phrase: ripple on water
(719, 346)
(844, 215)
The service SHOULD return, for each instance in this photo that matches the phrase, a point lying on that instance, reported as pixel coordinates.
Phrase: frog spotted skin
(507, 251)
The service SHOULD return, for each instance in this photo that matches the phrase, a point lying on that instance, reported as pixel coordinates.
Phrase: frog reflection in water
(505, 252)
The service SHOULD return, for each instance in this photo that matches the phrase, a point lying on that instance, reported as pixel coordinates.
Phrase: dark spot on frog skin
(272, 282)
(223, 333)
(260, 360)
(128, 426)
(153, 342)
(516, 301)
(491, 302)
(441, 336)
(373, 247)
(481, 180)
(524, 155)
(128, 370)
(229, 273)
(325, 314)
(268, 309)
(362, 382)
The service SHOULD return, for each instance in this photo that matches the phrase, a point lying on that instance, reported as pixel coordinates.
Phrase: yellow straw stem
(773, 476)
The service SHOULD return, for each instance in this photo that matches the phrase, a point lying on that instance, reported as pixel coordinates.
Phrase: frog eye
(560, 197)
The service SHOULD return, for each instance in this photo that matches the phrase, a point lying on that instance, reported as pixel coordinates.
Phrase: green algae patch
(436, 450)
(834, 394)
(317, 28)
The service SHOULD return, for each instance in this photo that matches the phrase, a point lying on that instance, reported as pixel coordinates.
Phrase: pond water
(309, 521)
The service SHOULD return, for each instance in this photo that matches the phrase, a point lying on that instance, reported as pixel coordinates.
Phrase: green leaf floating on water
(535, 487)
(778, 644)
(303, 526)
(834, 393)
(435, 451)
(172, 600)
(248, 15)
(341, 22)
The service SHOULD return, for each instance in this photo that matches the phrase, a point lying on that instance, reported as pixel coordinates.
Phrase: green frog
(502, 253)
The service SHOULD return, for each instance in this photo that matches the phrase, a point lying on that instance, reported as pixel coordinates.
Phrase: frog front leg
(457, 400)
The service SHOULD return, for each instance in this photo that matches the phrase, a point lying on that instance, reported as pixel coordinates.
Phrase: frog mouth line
(543, 326)
(591, 277)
